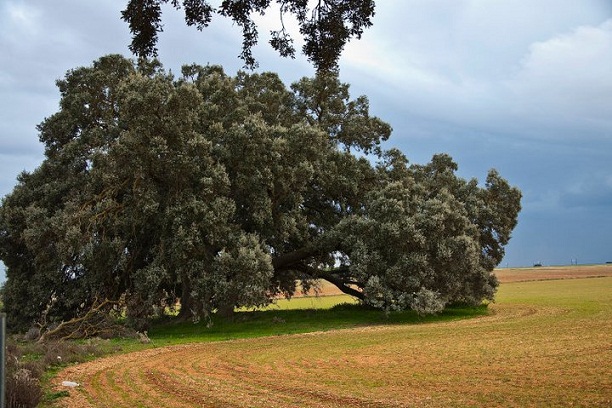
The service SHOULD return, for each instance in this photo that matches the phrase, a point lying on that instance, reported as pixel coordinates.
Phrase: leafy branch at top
(326, 25)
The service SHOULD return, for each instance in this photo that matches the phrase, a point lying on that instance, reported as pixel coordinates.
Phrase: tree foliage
(326, 25)
(224, 191)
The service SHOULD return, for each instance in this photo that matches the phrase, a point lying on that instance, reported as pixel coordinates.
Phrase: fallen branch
(96, 322)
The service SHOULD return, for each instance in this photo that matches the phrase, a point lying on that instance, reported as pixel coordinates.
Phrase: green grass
(311, 314)
(296, 316)
(582, 297)
(311, 302)
(325, 313)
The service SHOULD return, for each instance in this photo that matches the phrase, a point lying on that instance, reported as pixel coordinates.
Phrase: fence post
(2, 358)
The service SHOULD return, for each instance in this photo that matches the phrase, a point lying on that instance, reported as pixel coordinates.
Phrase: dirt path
(385, 366)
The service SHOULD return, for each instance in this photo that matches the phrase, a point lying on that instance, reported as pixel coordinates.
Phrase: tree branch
(284, 261)
(93, 323)
(335, 277)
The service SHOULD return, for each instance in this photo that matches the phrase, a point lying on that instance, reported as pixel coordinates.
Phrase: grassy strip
(289, 318)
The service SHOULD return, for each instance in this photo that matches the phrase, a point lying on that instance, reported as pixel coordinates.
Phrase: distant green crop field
(581, 296)
(311, 302)
(544, 343)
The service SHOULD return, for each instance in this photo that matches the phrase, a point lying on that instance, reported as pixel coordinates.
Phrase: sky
(522, 86)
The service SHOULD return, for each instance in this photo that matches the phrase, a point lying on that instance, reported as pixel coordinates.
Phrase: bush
(22, 389)
(22, 380)
(26, 363)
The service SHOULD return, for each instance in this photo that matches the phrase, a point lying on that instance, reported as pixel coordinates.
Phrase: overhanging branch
(339, 277)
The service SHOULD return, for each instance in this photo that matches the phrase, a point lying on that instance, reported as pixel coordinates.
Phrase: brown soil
(552, 272)
(506, 275)
(385, 366)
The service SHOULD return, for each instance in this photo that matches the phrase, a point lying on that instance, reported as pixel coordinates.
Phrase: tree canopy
(326, 25)
(224, 191)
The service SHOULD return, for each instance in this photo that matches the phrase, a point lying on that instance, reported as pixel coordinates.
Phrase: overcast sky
(522, 86)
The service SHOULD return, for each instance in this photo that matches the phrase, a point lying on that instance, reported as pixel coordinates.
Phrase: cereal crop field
(546, 341)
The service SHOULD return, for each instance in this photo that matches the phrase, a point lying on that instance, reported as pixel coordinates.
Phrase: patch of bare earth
(518, 356)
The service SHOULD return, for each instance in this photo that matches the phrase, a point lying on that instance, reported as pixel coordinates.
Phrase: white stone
(70, 384)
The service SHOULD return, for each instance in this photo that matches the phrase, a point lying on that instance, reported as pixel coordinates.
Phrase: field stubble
(545, 343)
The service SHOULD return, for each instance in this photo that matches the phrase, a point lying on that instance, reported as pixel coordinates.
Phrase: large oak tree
(224, 191)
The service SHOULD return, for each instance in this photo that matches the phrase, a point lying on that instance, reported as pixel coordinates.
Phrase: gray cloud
(564, 85)
(596, 191)
(555, 87)
(522, 86)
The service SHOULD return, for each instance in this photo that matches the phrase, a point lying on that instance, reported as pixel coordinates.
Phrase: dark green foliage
(223, 191)
(326, 26)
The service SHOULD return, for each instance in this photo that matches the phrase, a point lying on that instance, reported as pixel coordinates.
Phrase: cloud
(20, 20)
(564, 84)
(494, 68)
(518, 85)
(596, 191)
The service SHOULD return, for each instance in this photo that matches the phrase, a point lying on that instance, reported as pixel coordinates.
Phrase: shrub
(26, 363)
(22, 380)
(22, 390)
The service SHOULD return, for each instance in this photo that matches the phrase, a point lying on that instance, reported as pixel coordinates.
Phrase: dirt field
(552, 272)
(519, 275)
(542, 352)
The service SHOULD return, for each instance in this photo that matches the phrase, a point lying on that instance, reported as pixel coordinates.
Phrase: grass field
(543, 343)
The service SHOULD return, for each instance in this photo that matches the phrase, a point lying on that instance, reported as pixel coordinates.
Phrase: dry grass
(546, 343)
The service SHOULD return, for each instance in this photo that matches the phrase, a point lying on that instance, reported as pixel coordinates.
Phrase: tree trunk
(190, 306)
(226, 310)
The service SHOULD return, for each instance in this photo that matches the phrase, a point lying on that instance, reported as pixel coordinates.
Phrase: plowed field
(552, 272)
(546, 343)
